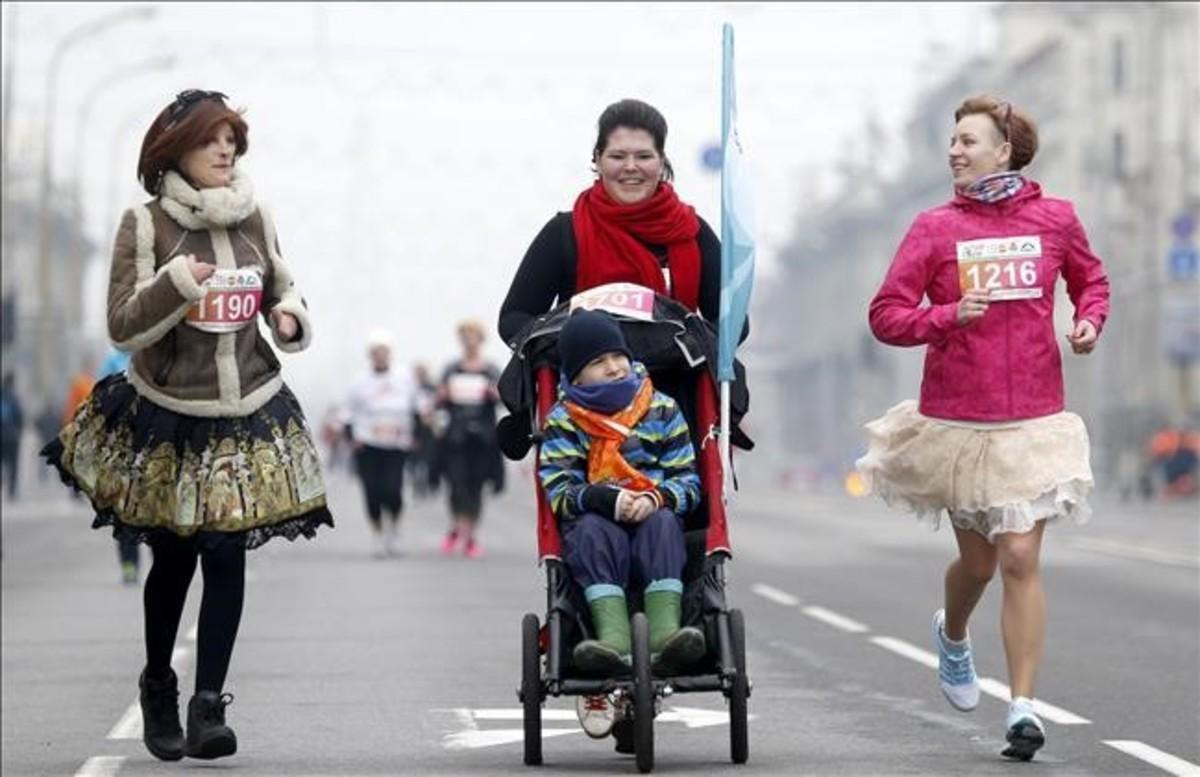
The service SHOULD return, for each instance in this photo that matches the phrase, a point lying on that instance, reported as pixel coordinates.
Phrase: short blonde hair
(472, 325)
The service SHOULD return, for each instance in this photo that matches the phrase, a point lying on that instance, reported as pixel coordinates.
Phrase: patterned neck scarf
(994, 187)
(608, 432)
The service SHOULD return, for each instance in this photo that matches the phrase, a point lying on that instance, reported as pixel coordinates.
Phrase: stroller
(678, 348)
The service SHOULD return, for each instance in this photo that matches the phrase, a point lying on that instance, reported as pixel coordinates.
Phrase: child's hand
(642, 508)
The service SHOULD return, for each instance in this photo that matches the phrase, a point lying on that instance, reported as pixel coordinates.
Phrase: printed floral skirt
(148, 470)
(989, 478)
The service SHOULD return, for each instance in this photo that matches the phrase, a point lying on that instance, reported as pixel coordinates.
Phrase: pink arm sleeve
(1087, 283)
(896, 315)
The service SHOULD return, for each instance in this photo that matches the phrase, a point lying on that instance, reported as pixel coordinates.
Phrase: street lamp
(80, 33)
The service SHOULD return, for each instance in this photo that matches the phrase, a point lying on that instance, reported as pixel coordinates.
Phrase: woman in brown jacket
(199, 449)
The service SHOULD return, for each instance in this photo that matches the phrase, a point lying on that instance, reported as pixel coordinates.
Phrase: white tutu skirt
(988, 478)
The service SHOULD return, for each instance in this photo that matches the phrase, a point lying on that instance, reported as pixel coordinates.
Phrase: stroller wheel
(643, 695)
(531, 689)
(739, 692)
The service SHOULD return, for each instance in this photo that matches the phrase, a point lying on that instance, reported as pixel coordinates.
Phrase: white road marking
(474, 738)
(775, 595)
(1152, 755)
(834, 619)
(130, 724)
(517, 713)
(471, 736)
(695, 717)
(191, 635)
(986, 684)
(909, 651)
(101, 766)
(1139, 552)
(692, 717)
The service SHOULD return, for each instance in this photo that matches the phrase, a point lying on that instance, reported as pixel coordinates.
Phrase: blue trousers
(600, 551)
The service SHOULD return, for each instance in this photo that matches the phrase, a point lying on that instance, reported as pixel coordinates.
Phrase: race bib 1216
(1008, 267)
(233, 299)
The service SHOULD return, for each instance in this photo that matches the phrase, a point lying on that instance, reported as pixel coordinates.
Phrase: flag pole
(726, 93)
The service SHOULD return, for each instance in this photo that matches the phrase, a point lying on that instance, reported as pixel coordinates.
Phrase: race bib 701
(233, 299)
(1008, 267)
(623, 299)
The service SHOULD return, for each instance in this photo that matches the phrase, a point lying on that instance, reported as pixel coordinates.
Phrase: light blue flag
(737, 223)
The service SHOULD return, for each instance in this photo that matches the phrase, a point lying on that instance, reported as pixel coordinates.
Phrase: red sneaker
(473, 550)
(449, 544)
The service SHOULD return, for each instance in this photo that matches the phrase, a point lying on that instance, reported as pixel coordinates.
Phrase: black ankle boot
(161, 732)
(207, 734)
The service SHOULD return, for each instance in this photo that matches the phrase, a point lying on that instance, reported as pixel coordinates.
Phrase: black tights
(223, 560)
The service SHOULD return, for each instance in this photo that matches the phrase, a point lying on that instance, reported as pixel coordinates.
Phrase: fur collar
(203, 208)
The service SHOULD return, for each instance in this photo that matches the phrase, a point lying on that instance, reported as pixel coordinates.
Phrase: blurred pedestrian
(47, 425)
(380, 426)
(127, 547)
(79, 389)
(333, 437)
(423, 459)
(198, 449)
(470, 453)
(12, 427)
(989, 443)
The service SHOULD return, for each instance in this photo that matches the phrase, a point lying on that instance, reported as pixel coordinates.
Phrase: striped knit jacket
(660, 447)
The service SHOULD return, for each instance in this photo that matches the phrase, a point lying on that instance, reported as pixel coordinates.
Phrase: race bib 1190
(233, 299)
(1008, 267)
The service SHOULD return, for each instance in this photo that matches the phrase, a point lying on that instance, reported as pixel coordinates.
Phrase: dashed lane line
(1138, 552)
(773, 594)
(101, 766)
(1155, 757)
(987, 685)
(834, 619)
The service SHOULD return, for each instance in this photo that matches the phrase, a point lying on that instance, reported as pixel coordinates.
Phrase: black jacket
(546, 277)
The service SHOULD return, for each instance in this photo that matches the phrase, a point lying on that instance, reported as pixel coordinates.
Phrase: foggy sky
(410, 152)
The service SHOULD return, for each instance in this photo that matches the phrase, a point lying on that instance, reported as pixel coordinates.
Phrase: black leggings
(222, 558)
(466, 469)
(382, 474)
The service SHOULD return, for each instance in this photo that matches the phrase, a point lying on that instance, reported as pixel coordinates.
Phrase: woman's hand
(972, 307)
(201, 271)
(1083, 339)
(285, 325)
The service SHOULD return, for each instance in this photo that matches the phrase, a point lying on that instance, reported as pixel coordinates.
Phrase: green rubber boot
(608, 654)
(672, 649)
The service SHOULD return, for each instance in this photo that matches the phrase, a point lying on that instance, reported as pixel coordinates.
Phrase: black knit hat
(586, 335)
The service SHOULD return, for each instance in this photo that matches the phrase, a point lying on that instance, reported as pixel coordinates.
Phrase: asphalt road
(350, 665)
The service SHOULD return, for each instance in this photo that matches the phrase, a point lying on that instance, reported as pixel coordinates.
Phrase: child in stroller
(618, 468)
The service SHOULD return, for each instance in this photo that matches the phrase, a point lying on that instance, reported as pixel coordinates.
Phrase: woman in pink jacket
(989, 443)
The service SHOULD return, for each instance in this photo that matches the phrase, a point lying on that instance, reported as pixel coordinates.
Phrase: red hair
(1014, 125)
(168, 138)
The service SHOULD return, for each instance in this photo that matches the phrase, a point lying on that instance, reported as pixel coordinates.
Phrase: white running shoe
(956, 667)
(391, 539)
(1026, 734)
(596, 715)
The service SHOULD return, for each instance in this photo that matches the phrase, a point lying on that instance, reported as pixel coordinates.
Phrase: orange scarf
(608, 433)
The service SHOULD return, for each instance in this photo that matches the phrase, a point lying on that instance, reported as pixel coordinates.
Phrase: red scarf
(611, 239)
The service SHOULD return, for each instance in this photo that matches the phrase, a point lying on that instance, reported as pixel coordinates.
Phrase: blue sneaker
(956, 668)
(1026, 735)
